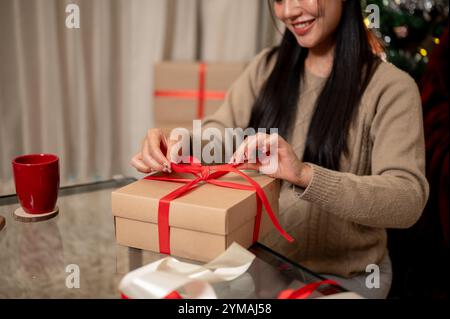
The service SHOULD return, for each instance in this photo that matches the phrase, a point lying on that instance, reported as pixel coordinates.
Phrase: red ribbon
(302, 293)
(172, 295)
(201, 95)
(210, 175)
(305, 291)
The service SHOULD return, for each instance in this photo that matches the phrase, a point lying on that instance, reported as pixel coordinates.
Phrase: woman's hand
(155, 153)
(273, 156)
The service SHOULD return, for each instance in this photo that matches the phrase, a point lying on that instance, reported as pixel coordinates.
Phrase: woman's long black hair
(336, 106)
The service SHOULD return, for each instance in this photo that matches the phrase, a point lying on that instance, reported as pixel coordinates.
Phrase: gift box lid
(208, 208)
(185, 75)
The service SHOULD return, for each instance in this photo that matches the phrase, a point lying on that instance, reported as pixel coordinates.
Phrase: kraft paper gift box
(203, 223)
(185, 91)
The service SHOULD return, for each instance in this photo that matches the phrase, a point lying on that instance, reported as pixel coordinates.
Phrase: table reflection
(34, 257)
(40, 249)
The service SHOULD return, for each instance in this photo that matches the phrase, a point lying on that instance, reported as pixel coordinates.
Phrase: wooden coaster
(2, 222)
(22, 216)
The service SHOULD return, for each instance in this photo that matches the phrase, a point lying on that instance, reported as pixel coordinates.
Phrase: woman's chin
(304, 43)
(307, 41)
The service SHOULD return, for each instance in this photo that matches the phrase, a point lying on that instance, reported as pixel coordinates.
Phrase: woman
(350, 144)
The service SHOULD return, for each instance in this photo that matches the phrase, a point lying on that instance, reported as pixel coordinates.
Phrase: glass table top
(38, 260)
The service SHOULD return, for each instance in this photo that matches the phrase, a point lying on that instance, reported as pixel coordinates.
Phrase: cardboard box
(178, 86)
(203, 223)
(167, 127)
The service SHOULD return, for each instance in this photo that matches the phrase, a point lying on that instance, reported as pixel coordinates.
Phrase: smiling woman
(325, 16)
(350, 147)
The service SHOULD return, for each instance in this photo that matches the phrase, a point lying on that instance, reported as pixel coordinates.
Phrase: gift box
(202, 223)
(185, 91)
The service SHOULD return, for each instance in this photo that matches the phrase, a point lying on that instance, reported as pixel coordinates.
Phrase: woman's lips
(303, 28)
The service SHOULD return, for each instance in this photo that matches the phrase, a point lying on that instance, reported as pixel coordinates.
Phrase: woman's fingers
(269, 148)
(250, 166)
(148, 158)
(139, 164)
(173, 153)
(242, 153)
(258, 152)
(249, 151)
(157, 151)
(155, 145)
(178, 145)
(239, 156)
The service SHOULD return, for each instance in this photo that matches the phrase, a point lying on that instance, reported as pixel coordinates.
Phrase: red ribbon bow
(210, 175)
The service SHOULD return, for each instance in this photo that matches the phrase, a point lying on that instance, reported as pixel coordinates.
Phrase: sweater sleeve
(396, 192)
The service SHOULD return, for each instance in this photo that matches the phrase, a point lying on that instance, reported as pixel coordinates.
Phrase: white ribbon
(158, 279)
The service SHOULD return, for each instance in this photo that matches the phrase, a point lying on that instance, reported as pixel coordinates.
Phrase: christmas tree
(409, 30)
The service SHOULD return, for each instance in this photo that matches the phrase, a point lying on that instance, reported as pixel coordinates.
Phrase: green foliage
(410, 30)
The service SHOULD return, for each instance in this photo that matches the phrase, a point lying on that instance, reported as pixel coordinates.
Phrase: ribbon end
(288, 237)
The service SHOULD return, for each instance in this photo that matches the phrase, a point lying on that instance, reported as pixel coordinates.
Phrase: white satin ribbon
(158, 279)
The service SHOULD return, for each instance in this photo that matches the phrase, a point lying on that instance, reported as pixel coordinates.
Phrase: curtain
(85, 94)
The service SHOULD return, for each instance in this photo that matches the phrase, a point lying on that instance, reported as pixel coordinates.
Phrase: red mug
(36, 177)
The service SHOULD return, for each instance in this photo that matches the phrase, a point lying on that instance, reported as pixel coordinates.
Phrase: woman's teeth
(303, 24)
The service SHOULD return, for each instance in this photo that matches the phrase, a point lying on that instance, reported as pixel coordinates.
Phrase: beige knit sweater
(339, 221)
